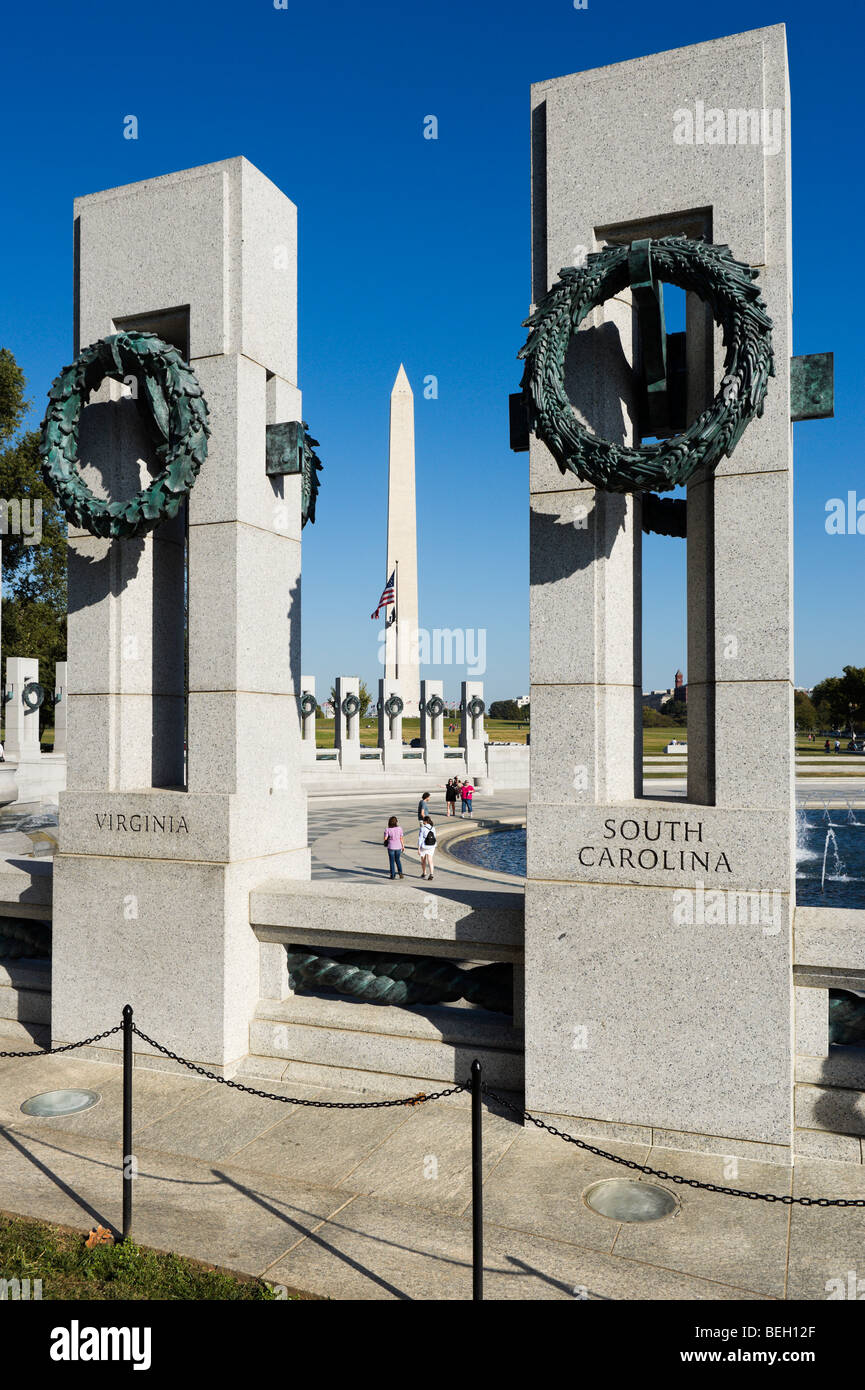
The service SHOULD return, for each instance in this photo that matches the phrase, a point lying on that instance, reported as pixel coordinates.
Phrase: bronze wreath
(393, 706)
(32, 695)
(171, 402)
(727, 285)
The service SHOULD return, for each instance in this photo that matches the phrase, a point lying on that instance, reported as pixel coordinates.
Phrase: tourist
(426, 843)
(395, 845)
(466, 793)
(451, 797)
(837, 745)
(827, 747)
(421, 806)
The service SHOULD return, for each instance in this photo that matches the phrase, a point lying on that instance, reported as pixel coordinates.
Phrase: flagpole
(396, 617)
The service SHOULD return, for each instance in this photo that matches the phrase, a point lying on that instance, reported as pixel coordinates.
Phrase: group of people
(852, 746)
(394, 840)
(456, 789)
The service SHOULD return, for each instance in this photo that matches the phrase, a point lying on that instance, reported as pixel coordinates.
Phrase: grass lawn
(499, 730)
(656, 740)
(46, 738)
(68, 1270)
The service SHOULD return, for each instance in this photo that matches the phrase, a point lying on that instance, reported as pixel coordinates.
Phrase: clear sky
(417, 250)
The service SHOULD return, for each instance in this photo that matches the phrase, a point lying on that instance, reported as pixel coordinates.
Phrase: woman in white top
(424, 848)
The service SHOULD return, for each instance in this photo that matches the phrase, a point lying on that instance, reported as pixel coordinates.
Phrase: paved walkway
(346, 835)
(376, 1204)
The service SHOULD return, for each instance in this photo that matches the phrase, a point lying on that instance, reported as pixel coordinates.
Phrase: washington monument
(401, 640)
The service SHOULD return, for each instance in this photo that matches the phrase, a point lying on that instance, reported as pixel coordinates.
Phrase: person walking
(451, 797)
(466, 794)
(426, 847)
(395, 845)
(422, 806)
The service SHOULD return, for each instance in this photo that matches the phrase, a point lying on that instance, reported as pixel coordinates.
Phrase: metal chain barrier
(67, 1047)
(420, 1099)
(673, 1177)
(475, 1087)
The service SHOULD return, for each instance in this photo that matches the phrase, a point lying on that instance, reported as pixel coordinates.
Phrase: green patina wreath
(350, 705)
(727, 286)
(308, 704)
(435, 706)
(32, 696)
(171, 402)
(393, 706)
(476, 707)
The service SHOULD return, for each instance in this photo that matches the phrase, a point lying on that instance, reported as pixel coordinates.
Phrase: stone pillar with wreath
(24, 697)
(472, 738)
(621, 417)
(175, 445)
(308, 708)
(391, 706)
(432, 717)
(346, 729)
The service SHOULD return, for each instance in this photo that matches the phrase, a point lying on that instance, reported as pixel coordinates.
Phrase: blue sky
(416, 250)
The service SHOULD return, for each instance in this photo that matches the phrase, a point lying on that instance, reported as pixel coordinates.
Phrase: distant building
(522, 700)
(656, 699)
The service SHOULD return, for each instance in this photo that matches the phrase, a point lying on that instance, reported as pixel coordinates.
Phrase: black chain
(67, 1047)
(420, 1099)
(787, 1201)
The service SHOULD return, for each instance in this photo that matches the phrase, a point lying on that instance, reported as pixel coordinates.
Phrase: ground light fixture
(624, 1199)
(49, 1103)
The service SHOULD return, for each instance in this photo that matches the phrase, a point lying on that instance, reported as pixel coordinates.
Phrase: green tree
(842, 699)
(506, 709)
(34, 565)
(362, 694)
(804, 713)
(654, 719)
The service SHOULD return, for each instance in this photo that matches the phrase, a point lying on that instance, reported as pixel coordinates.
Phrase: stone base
(437, 1044)
(635, 1017)
(170, 937)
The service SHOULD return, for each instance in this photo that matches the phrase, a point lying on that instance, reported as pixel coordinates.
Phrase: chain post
(127, 1120)
(477, 1183)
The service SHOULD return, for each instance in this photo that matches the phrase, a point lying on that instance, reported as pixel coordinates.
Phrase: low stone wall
(506, 768)
(829, 1090)
(344, 1041)
(25, 984)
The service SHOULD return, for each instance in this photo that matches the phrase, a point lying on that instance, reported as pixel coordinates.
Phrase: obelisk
(401, 641)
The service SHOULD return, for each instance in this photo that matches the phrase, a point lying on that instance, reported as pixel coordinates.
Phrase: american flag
(388, 596)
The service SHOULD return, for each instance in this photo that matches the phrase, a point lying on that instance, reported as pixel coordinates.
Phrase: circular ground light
(623, 1199)
(60, 1102)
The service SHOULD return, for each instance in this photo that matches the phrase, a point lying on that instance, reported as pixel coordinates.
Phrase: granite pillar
(307, 724)
(346, 733)
(472, 739)
(658, 931)
(22, 722)
(432, 727)
(185, 749)
(61, 707)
